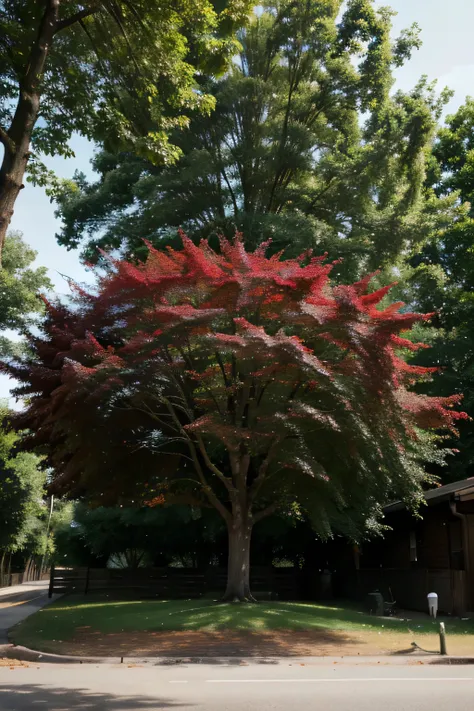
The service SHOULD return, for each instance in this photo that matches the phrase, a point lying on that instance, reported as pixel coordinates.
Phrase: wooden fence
(28, 575)
(173, 583)
(409, 587)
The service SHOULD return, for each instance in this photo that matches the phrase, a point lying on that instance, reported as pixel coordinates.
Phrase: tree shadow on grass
(268, 616)
(239, 643)
(109, 616)
(28, 697)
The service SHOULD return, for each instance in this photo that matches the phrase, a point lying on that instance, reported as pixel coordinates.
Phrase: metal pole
(51, 582)
(86, 589)
(51, 504)
(442, 639)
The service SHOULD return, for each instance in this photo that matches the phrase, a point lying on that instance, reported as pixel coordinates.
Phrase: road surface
(280, 686)
(20, 601)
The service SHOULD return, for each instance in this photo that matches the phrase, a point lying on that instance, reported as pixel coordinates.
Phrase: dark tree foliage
(142, 536)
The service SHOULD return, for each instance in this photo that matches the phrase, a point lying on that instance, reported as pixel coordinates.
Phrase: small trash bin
(325, 582)
(375, 603)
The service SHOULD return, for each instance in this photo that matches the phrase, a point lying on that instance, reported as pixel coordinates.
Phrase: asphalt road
(283, 686)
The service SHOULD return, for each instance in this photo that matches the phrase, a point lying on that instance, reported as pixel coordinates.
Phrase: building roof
(456, 490)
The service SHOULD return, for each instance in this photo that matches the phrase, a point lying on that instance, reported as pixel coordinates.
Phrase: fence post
(86, 588)
(51, 581)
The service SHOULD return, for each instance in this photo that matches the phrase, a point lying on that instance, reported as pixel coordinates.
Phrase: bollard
(442, 639)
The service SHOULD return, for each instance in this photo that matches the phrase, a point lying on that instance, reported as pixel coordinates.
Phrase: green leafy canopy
(20, 285)
(307, 145)
(116, 70)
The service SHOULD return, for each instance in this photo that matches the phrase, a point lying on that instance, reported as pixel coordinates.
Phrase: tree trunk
(31, 570)
(2, 561)
(238, 567)
(9, 569)
(17, 139)
(11, 182)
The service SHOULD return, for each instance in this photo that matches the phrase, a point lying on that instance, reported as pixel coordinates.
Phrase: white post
(433, 604)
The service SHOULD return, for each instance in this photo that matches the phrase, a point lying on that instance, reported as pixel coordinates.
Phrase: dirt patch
(219, 643)
(206, 643)
(4, 662)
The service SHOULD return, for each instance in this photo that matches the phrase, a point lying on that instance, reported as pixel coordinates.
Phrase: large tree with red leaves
(236, 381)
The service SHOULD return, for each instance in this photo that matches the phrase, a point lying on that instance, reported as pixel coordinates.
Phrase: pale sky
(447, 55)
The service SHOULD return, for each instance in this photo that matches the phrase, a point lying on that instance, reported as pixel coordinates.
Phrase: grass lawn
(78, 624)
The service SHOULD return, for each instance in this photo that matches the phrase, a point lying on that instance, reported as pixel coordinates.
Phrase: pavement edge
(11, 651)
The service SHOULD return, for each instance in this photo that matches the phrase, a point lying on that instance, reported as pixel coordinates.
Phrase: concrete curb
(11, 651)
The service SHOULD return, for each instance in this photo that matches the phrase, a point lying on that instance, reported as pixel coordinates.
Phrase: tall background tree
(105, 68)
(237, 381)
(307, 145)
(22, 510)
(441, 274)
(20, 285)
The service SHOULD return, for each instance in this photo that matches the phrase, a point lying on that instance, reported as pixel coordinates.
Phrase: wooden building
(434, 553)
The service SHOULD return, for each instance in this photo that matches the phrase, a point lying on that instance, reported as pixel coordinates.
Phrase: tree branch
(187, 500)
(231, 192)
(322, 192)
(208, 490)
(284, 135)
(74, 19)
(265, 512)
(262, 472)
(146, 410)
(221, 366)
(7, 141)
(212, 467)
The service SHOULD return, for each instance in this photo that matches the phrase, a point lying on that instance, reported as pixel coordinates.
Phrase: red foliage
(238, 348)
